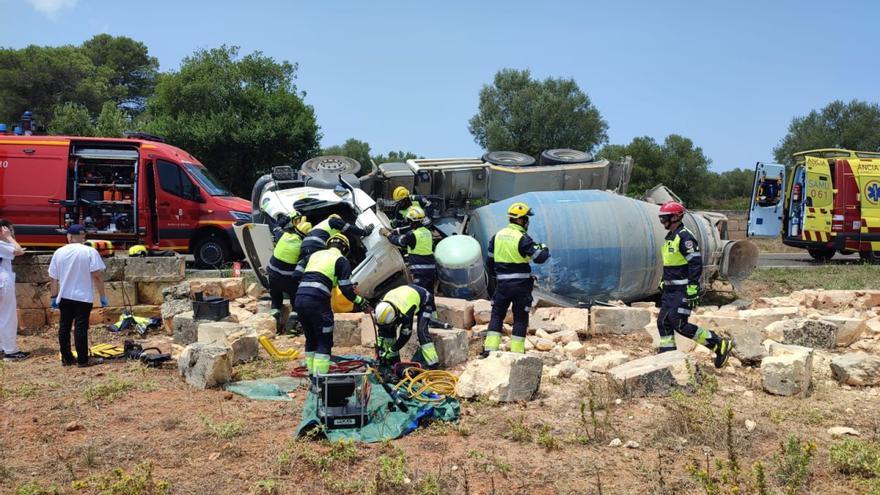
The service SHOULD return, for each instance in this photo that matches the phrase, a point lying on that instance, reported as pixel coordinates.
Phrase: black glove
(369, 229)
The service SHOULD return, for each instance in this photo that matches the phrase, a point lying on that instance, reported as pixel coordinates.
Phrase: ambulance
(828, 203)
(133, 190)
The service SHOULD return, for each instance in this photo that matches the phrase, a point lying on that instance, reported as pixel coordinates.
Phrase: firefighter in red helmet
(680, 287)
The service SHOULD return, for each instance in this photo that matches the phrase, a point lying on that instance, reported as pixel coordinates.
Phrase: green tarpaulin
(383, 424)
(266, 388)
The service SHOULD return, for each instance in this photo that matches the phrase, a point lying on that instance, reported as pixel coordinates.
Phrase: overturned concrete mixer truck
(606, 246)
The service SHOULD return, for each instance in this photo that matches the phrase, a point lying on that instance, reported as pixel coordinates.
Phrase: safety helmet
(415, 214)
(399, 193)
(340, 242)
(295, 217)
(334, 215)
(672, 208)
(519, 210)
(303, 228)
(138, 250)
(386, 313)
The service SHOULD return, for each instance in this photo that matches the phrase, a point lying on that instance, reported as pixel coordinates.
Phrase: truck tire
(332, 165)
(508, 159)
(822, 255)
(211, 251)
(564, 155)
(872, 257)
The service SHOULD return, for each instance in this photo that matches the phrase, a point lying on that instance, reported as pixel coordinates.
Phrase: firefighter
(316, 277)
(402, 307)
(403, 202)
(680, 287)
(281, 267)
(510, 251)
(419, 244)
(332, 225)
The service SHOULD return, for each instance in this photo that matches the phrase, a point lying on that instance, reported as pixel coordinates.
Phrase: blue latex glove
(104, 301)
(54, 303)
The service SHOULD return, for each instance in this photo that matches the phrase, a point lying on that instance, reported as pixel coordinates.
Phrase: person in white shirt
(8, 315)
(75, 273)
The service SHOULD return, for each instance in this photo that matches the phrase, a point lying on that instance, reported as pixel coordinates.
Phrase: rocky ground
(796, 411)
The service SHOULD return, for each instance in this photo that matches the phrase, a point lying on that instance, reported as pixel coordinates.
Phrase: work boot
(722, 352)
(484, 354)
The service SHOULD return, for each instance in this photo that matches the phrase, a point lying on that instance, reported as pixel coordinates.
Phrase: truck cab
(129, 191)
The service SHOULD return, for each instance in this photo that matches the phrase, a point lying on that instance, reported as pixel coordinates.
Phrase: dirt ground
(124, 429)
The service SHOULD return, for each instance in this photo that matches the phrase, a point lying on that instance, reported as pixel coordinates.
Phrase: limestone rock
(151, 292)
(114, 269)
(118, 294)
(205, 365)
(542, 334)
(543, 344)
(840, 431)
(29, 272)
(155, 269)
(260, 324)
(849, 329)
(655, 375)
(565, 337)
(577, 319)
(347, 329)
(451, 345)
(185, 328)
(228, 288)
(31, 319)
(255, 291)
(747, 346)
(804, 332)
(575, 349)
(788, 370)
(618, 320)
(760, 318)
(245, 346)
(501, 377)
(32, 296)
(856, 369)
(542, 318)
(457, 312)
(604, 362)
(565, 369)
(177, 291)
(483, 312)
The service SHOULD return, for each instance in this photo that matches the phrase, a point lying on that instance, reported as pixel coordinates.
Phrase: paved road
(802, 260)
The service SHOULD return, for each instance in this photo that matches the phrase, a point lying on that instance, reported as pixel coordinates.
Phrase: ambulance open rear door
(768, 200)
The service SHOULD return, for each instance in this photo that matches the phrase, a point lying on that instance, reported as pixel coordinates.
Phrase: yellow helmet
(519, 210)
(386, 313)
(138, 250)
(400, 192)
(334, 215)
(415, 214)
(340, 242)
(303, 228)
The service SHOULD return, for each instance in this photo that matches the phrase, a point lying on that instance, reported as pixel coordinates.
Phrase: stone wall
(134, 281)
(737, 223)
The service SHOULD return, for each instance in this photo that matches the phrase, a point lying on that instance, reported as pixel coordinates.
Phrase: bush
(858, 457)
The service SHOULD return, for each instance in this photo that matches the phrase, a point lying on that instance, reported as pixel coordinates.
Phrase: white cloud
(52, 7)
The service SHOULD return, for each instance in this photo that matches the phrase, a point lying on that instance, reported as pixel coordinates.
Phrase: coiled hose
(432, 386)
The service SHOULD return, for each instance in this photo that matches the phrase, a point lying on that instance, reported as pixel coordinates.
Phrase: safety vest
(404, 298)
(424, 243)
(324, 262)
(325, 226)
(672, 255)
(287, 248)
(507, 245)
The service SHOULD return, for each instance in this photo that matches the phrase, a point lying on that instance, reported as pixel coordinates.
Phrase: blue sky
(406, 74)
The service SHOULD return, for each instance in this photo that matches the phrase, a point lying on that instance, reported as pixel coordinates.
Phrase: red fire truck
(133, 190)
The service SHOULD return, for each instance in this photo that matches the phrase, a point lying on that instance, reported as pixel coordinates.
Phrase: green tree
(395, 156)
(854, 125)
(676, 163)
(71, 119)
(353, 148)
(518, 113)
(40, 78)
(130, 71)
(239, 115)
(111, 122)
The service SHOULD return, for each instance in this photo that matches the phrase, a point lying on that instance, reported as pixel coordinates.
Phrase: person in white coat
(9, 249)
